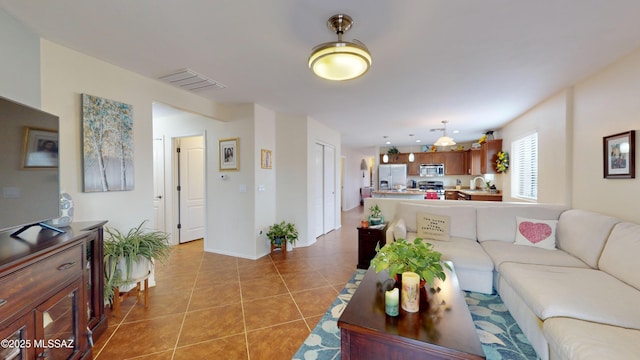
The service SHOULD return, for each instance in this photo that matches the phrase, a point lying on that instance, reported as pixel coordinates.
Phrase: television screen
(29, 175)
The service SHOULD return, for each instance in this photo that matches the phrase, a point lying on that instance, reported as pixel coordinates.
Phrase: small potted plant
(419, 257)
(281, 233)
(375, 215)
(129, 257)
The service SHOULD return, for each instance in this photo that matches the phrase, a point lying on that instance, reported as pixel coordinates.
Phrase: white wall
(66, 74)
(549, 120)
(606, 104)
(265, 199)
(185, 124)
(19, 62)
(290, 160)
(572, 125)
(353, 179)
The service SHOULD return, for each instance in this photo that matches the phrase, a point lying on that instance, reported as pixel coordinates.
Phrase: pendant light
(444, 140)
(340, 60)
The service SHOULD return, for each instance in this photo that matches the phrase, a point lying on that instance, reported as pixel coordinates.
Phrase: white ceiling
(477, 64)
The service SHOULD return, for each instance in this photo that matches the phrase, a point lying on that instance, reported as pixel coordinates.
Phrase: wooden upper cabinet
(454, 163)
(488, 154)
(413, 168)
(472, 162)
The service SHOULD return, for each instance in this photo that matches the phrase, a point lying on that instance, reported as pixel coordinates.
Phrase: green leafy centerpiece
(417, 256)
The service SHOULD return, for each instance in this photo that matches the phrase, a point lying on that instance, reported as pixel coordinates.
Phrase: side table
(368, 238)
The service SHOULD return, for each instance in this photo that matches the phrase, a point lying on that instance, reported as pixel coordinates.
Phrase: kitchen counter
(477, 195)
(403, 194)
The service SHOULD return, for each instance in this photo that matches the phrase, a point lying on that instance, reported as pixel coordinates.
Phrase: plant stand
(279, 248)
(119, 297)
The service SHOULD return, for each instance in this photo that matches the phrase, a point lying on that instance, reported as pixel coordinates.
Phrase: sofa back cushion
(499, 222)
(462, 218)
(620, 255)
(583, 234)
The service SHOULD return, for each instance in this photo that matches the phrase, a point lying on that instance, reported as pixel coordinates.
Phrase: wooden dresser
(51, 292)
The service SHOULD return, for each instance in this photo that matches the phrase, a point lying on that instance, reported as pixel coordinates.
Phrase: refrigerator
(391, 175)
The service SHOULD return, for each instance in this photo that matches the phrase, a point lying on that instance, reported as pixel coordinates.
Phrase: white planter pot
(139, 270)
(289, 246)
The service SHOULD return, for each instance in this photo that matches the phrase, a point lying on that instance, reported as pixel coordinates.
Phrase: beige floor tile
(208, 304)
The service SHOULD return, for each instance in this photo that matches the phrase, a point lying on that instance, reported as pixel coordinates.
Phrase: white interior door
(329, 186)
(191, 185)
(158, 185)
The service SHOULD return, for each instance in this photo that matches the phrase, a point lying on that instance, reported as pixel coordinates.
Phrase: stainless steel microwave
(430, 170)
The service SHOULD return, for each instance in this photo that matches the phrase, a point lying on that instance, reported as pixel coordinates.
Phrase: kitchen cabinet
(451, 195)
(472, 163)
(395, 159)
(413, 168)
(488, 154)
(454, 163)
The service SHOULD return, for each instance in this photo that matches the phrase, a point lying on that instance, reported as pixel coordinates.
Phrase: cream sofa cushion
(499, 222)
(620, 255)
(583, 233)
(433, 227)
(463, 218)
(577, 339)
(502, 252)
(586, 294)
(400, 229)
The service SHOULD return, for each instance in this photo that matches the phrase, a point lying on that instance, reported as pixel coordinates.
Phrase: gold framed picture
(229, 154)
(266, 159)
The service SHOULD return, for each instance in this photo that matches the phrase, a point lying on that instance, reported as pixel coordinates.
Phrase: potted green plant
(281, 233)
(128, 256)
(419, 257)
(375, 215)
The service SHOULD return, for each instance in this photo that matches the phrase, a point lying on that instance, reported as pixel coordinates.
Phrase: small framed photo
(229, 154)
(266, 159)
(40, 148)
(619, 155)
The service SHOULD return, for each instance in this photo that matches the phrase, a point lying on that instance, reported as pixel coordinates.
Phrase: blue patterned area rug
(498, 332)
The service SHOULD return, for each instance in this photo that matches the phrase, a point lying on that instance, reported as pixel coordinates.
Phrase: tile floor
(210, 306)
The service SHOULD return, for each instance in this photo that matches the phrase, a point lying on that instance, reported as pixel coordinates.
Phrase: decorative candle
(410, 291)
(364, 224)
(391, 300)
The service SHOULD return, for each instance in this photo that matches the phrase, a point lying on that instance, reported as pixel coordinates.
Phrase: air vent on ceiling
(191, 80)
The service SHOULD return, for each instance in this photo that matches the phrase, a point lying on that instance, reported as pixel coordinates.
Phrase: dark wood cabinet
(368, 238)
(488, 154)
(51, 287)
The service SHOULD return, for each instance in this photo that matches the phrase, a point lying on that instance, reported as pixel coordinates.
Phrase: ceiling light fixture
(412, 156)
(444, 140)
(340, 60)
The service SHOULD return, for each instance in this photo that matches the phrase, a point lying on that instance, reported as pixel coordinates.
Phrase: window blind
(524, 178)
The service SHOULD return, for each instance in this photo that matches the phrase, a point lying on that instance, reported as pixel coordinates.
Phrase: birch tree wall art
(107, 129)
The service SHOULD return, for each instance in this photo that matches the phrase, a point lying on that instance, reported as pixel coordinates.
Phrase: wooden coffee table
(442, 329)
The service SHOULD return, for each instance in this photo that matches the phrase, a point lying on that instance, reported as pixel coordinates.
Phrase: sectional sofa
(572, 280)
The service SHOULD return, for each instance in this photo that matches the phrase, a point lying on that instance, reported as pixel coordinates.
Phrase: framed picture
(40, 148)
(619, 155)
(229, 155)
(266, 159)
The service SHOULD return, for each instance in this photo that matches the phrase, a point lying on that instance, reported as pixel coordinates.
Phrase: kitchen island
(473, 195)
(399, 194)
